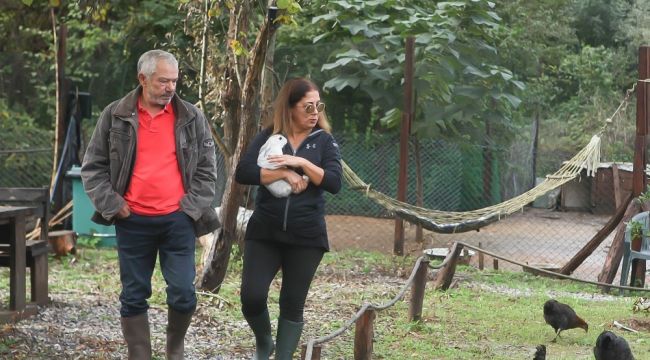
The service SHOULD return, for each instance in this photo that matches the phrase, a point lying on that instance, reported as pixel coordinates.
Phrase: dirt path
(534, 236)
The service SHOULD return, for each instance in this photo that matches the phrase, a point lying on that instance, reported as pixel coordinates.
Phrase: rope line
(552, 273)
(348, 324)
(312, 342)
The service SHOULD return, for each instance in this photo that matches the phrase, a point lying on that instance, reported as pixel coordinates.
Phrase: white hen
(273, 146)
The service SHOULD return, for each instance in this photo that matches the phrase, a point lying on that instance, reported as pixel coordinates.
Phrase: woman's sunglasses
(309, 108)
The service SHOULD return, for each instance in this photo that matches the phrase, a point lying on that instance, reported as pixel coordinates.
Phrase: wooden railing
(364, 318)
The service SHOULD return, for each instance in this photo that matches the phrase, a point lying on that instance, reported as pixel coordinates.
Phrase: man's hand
(124, 212)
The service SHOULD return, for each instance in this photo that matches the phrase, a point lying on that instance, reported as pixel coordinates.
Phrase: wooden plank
(615, 253)
(21, 195)
(39, 280)
(33, 197)
(639, 179)
(405, 131)
(17, 264)
(363, 335)
(8, 316)
(600, 236)
(616, 180)
(417, 294)
(315, 352)
(445, 274)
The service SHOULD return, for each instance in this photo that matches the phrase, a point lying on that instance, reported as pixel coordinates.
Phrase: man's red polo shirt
(156, 187)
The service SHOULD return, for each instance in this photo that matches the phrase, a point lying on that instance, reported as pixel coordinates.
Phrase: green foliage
(597, 20)
(88, 242)
(645, 196)
(456, 82)
(636, 229)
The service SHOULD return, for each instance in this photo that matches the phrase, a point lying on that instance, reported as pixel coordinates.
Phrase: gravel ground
(87, 326)
(80, 324)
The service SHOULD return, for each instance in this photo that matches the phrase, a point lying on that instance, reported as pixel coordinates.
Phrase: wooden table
(12, 232)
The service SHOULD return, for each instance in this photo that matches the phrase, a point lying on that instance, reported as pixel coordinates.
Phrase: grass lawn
(485, 315)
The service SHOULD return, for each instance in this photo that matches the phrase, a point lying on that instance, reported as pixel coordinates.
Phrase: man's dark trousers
(139, 240)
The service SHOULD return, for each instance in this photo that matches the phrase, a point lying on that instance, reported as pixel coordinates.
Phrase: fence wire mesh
(454, 177)
(546, 233)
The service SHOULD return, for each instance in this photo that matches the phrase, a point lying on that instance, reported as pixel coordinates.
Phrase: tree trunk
(214, 271)
(268, 85)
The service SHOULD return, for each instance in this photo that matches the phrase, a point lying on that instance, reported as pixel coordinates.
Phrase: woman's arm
(328, 176)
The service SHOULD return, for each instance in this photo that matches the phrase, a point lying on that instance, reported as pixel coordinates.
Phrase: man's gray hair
(147, 62)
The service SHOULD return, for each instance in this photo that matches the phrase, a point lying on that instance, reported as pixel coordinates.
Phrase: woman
(287, 233)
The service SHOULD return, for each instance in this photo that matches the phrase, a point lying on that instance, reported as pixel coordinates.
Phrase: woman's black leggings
(262, 261)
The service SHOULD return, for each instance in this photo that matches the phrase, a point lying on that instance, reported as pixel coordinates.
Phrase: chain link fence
(25, 157)
(546, 233)
(549, 232)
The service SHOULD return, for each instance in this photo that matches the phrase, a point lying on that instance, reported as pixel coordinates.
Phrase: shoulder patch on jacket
(208, 143)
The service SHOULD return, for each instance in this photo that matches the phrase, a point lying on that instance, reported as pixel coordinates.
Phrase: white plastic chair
(628, 253)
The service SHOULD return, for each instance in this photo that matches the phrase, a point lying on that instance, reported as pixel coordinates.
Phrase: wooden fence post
(481, 258)
(445, 274)
(417, 294)
(315, 353)
(615, 253)
(600, 236)
(363, 335)
(639, 178)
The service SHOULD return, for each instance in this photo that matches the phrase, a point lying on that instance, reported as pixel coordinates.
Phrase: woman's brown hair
(290, 94)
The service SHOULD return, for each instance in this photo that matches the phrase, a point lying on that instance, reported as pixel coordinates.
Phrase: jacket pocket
(119, 143)
(189, 152)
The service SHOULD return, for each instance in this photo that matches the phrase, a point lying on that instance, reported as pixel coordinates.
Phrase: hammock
(456, 222)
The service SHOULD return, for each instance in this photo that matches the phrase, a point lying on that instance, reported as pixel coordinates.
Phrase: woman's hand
(286, 160)
(298, 183)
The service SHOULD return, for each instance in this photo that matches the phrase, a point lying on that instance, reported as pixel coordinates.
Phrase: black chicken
(540, 354)
(612, 347)
(562, 317)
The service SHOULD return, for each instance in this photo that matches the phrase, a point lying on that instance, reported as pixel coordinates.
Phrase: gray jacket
(108, 163)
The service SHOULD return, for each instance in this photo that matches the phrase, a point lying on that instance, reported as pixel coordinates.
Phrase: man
(150, 170)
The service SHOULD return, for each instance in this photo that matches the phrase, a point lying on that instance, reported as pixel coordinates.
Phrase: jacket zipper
(286, 207)
(129, 160)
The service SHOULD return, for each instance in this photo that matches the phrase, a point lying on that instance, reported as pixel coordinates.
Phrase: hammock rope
(456, 222)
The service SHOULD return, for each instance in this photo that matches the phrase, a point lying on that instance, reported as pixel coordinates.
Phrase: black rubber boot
(137, 336)
(177, 324)
(261, 326)
(287, 340)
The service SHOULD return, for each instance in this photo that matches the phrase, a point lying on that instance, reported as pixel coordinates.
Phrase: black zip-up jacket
(299, 218)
